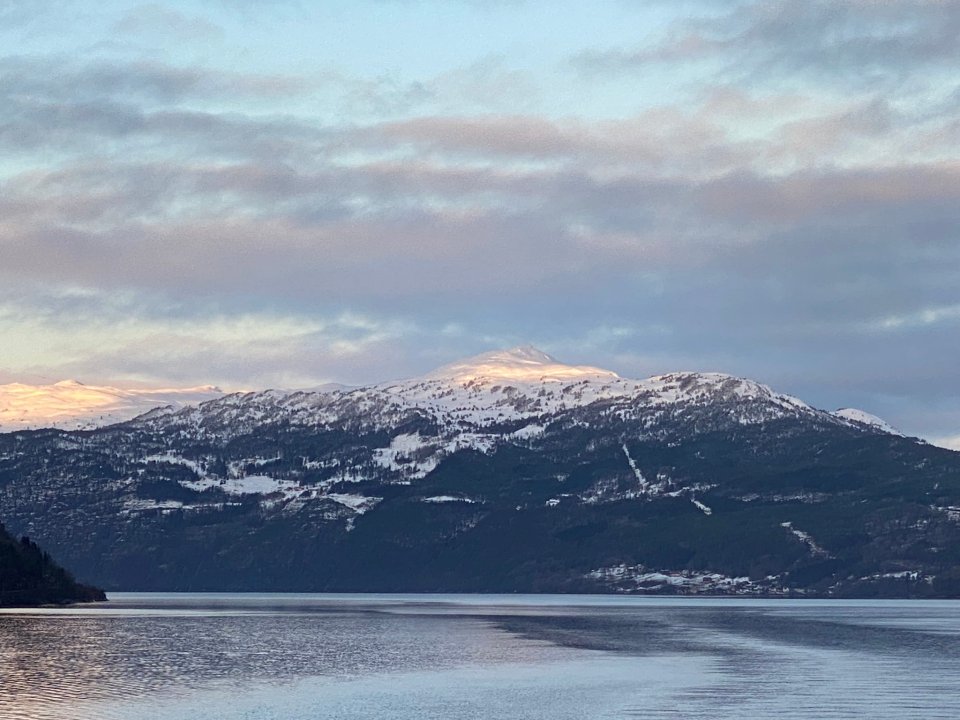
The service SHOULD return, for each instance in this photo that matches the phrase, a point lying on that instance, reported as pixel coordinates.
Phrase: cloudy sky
(286, 193)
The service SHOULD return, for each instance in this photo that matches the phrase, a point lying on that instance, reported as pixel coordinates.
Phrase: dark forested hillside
(28, 576)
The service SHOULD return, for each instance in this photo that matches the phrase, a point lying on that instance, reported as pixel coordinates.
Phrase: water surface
(294, 657)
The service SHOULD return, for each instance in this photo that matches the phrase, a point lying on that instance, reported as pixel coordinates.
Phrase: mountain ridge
(560, 481)
(71, 404)
(494, 387)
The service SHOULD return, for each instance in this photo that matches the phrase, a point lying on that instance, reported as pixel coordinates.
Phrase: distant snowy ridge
(464, 399)
(467, 399)
(479, 404)
(71, 405)
(523, 382)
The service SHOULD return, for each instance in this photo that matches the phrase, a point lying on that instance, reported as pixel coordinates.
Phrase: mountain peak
(522, 364)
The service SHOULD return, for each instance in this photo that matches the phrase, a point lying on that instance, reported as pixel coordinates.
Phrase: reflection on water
(299, 657)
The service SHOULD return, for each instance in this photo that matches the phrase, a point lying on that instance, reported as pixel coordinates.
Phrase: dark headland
(29, 577)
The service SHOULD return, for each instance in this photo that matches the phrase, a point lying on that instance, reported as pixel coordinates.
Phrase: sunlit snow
(71, 405)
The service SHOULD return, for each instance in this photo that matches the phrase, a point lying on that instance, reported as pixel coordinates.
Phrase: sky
(281, 194)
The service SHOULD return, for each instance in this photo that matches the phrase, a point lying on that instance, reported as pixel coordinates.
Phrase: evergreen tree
(28, 576)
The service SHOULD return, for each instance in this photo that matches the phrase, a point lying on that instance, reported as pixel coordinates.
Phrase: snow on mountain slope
(469, 397)
(72, 405)
(510, 385)
(864, 418)
(472, 398)
(513, 449)
(399, 433)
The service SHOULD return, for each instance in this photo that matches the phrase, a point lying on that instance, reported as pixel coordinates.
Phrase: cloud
(563, 205)
(127, 336)
(208, 223)
(153, 19)
(858, 42)
(658, 139)
(65, 81)
(951, 443)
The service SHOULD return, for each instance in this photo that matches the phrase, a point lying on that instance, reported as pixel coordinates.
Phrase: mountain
(508, 471)
(28, 576)
(72, 405)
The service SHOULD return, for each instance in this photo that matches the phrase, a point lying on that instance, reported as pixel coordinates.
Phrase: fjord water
(294, 657)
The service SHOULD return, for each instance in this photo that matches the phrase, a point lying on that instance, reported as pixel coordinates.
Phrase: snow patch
(640, 579)
(404, 455)
(236, 467)
(703, 508)
(641, 480)
(141, 505)
(360, 504)
(806, 539)
(246, 485)
(860, 417)
(951, 511)
(528, 431)
(448, 499)
(176, 460)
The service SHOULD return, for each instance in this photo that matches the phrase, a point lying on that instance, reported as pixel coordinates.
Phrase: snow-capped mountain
(506, 471)
(494, 387)
(524, 382)
(488, 390)
(69, 404)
